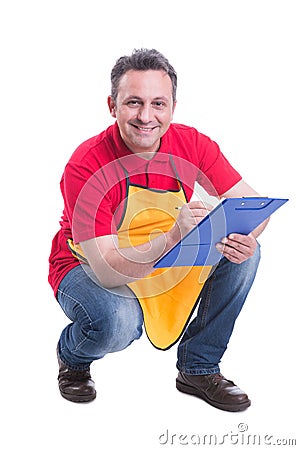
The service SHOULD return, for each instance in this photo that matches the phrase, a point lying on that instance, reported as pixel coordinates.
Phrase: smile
(144, 129)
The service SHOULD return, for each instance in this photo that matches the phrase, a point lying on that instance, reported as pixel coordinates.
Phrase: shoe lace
(75, 375)
(217, 377)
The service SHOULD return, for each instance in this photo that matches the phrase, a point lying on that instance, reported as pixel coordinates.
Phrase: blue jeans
(106, 321)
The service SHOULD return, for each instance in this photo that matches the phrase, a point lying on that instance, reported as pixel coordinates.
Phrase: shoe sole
(225, 407)
(78, 398)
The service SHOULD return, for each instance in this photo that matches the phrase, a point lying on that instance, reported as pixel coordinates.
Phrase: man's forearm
(120, 266)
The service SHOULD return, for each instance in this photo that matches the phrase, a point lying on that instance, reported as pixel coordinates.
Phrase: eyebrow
(130, 97)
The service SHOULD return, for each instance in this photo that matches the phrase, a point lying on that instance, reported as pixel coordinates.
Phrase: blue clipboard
(232, 215)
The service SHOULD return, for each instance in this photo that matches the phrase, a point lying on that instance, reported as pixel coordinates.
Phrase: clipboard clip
(256, 203)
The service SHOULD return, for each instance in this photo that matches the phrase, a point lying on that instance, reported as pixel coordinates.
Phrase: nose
(145, 113)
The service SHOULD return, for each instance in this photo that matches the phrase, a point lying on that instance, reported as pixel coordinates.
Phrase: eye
(159, 104)
(133, 103)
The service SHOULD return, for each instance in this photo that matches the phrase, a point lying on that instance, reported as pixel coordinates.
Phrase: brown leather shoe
(75, 385)
(215, 390)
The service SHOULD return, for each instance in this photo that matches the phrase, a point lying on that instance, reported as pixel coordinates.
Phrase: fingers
(190, 215)
(237, 247)
(197, 204)
(197, 209)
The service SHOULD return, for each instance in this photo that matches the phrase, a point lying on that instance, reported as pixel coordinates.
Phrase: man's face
(144, 108)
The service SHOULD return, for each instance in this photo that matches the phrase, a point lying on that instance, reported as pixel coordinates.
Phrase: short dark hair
(141, 59)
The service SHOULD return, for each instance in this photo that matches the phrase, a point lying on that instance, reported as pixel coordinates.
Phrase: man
(127, 201)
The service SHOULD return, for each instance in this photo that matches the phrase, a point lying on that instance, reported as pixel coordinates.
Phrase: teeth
(144, 129)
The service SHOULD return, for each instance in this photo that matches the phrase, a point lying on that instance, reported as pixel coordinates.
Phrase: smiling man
(127, 200)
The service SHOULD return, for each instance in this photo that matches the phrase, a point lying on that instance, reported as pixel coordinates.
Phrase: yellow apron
(167, 296)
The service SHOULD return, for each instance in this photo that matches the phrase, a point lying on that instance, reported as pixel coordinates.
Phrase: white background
(238, 75)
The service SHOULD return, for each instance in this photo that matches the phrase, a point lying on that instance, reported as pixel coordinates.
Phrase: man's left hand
(237, 247)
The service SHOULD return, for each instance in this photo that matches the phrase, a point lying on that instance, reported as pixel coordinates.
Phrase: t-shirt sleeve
(87, 199)
(216, 173)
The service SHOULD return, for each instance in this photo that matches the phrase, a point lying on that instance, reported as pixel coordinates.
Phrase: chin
(144, 145)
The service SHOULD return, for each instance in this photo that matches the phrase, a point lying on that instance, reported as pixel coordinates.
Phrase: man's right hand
(190, 215)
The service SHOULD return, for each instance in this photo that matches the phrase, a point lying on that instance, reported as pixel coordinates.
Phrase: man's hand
(190, 215)
(237, 247)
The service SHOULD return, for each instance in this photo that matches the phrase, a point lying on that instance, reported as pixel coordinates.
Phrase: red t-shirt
(95, 180)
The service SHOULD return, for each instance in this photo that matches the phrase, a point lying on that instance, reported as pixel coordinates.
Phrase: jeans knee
(116, 327)
(237, 276)
(251, 264)
(256, 255)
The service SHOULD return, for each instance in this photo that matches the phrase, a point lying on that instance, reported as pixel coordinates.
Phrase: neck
(145, 154)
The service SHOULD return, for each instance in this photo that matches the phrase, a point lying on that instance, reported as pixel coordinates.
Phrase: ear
(111, 106)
